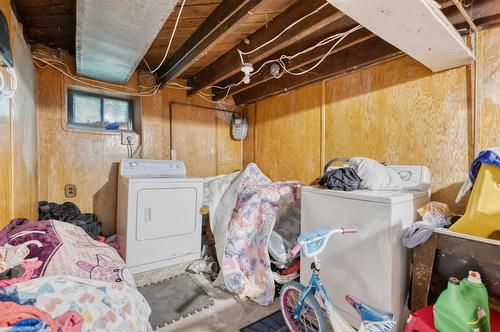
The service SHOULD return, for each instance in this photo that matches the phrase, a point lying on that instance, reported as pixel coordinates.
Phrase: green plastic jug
(463, 306)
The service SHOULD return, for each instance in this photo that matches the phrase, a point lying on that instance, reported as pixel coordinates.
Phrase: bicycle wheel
(311, 317)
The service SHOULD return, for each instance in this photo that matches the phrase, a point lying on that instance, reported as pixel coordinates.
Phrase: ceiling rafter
(372, 51)
(217, 24)
(296, 63)
(229, 63)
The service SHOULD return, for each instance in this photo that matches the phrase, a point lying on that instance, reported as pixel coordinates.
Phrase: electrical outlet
(70, 190)
(128, 138)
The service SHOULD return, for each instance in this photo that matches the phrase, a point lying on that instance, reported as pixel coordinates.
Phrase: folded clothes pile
(14, 267)
(69, 212)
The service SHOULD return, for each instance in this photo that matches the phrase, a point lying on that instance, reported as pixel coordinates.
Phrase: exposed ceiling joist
(227, 14)
(300, 61)
(357, 57)
(229, 64)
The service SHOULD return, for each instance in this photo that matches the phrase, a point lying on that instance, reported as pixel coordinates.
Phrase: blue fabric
(29, 325)
(13, 296)
(484, 157)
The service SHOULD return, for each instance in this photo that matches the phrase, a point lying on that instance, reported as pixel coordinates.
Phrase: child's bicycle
(299, 306)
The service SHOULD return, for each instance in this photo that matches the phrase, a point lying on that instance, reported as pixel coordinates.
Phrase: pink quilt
(246, 267)
(65, 249)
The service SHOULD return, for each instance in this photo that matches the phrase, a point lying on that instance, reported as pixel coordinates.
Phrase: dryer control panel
(148, 168)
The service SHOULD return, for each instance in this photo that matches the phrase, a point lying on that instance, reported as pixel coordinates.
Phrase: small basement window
(92, 110)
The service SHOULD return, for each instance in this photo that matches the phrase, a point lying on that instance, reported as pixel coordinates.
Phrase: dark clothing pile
(69, 212)
(344, 178)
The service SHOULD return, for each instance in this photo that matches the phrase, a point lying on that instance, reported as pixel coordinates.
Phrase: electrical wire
(150, 92)
(171, 38)
(241, 53)
(280, 61)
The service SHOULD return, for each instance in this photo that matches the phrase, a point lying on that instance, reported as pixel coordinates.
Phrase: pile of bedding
(67, 281)
(243, 221)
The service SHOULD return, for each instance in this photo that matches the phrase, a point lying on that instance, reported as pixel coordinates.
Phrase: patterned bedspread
(245, 263)
(71, 272)
(65, 249)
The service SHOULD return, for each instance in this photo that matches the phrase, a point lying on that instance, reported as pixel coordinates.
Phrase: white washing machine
(158, 214)
(372, 264)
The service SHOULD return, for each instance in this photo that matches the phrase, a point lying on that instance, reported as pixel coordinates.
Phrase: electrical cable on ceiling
(241, 53)
(54, 64)
(171, 38)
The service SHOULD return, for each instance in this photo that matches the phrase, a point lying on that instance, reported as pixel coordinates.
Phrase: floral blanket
(242, 233)
(65, 249)
(103, 306)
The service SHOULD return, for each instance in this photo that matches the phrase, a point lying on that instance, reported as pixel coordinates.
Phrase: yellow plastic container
(482, 217)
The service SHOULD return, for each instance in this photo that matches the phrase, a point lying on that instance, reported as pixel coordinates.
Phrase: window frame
(71, 92)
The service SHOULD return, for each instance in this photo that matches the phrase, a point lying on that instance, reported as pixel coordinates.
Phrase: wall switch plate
(128, 138)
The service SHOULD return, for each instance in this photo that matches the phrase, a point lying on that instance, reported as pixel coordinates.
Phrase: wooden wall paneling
(228, 151)
(24, 130)
(152, 123)
(400, 113)
(194, 139)
(249, 142)
(287, 143)
(87, 159)
(201, 137)
(489, 117)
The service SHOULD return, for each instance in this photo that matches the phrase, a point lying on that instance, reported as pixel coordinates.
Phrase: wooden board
(425, 34)
(489, 97)
(288, 134)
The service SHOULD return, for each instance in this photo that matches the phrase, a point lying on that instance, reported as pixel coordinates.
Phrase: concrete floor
(229, 313)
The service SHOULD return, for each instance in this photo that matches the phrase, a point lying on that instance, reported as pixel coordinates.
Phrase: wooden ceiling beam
(229, 63)
(355, 58)
(294, 64)
(217, 24)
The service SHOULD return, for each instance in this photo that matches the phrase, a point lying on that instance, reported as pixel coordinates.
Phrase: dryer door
(165, 212)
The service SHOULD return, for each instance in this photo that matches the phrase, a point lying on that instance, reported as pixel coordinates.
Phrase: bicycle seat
(372, 318)
(313, 242)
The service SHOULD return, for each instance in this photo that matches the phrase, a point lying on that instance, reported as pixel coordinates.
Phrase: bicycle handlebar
(342, 230)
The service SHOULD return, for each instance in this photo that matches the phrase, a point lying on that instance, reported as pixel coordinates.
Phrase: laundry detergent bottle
(474, 290)
(463, 306)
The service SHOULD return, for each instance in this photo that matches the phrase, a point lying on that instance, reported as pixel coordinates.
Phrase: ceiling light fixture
(246, 68)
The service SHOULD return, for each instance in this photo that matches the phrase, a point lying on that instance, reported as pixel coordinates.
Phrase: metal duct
(113, 36)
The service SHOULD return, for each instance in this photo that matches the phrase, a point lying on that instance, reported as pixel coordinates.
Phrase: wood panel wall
(398, 112)
(18, 133)
(201, 138)
(489, 92)
(90, 159)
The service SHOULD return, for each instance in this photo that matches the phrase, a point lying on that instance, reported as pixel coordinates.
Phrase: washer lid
(387, 197)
